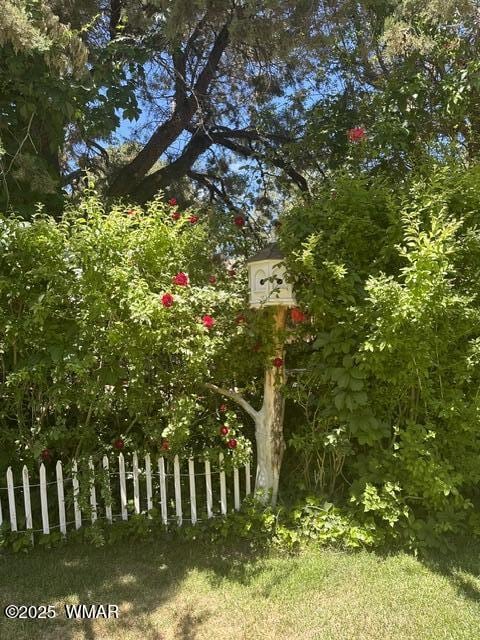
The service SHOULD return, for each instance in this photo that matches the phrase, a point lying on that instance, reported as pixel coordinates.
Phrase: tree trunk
(269, 423)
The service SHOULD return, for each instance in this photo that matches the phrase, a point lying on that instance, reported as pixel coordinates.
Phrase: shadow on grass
(461, 567)
(138, 577)
(142, 577)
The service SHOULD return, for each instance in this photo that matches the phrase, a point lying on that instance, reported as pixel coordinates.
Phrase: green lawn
(191, 591)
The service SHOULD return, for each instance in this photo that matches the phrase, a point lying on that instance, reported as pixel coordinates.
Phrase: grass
(177, 590)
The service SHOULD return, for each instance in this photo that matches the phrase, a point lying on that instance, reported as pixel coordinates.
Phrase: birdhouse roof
(270, 252)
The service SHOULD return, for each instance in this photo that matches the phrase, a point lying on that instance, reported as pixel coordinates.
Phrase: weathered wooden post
(268, 287)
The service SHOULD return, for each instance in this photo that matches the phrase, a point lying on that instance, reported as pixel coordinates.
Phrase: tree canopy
(240, 103)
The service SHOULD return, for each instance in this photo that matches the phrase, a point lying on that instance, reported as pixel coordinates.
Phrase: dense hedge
(383, 394)
(110, 323)
(390, 274)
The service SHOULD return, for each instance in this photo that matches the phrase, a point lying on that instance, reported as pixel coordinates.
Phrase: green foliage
(310, 521)
(254, 526)
(89, 352)
(389, 273)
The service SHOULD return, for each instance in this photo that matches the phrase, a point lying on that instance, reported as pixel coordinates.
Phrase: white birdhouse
(266, 278)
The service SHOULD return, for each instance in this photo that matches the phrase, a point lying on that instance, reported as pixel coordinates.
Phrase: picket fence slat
(223, 486)
(148, 480)
(236, 489)
(61, 498)
(178, 490)
(11, 500)
(44, 499)
(76, 492)
(123, 486)
(248, 490)
(26, 499)
(97, 484)
(193, 495)
(136, 487)
(163, 490)
(93, 492)
(208, 486)
(108, 491)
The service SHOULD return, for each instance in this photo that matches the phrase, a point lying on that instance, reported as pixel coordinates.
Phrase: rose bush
(110, 326)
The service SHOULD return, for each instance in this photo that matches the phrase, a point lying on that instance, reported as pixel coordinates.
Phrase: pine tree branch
(129, 177)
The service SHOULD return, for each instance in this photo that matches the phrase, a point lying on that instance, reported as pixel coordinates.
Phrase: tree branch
(236, 397)
(130, 175)
(115, 14)
(207, 181)
(198, 144)
(208, 71)
(296, 177)
(177, 169)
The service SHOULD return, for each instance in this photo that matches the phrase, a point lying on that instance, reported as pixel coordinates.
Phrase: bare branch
(102, 151)
(207, 73)
(236, 397)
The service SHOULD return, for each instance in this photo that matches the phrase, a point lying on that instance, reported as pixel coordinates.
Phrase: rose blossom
(297, 315)
(239, 221)
(181, 279)
(356, 134)
(167, 300)
(208, 321)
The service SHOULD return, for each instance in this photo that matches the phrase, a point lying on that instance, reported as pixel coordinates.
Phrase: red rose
(297, 315)
(46, 455)
(240, 319)
(181, 279)
(232, 273)
(165, 445)
(176, 216)
(277, 362)
(119, 444)
(239, 221)
(193, 219)
(172, 202)
(222, 408)
(212, 279)
(232, 443)
(356, 134)
(224, 430)
(208, 321)
(131, 212)
(167, 300)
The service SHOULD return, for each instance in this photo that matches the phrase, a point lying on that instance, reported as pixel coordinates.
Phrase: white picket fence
(171, 487)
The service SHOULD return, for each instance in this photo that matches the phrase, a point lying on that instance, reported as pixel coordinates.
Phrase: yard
(172, 589)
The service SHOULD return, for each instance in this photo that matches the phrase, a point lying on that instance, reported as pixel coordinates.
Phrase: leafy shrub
(110, 323)
(389, 274)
